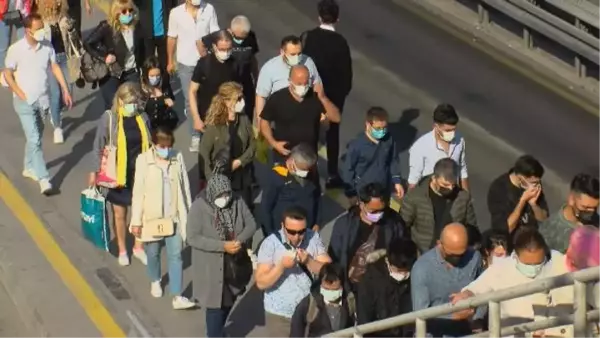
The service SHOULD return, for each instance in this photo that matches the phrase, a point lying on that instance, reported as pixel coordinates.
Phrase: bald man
(297, 113)
(441, 272)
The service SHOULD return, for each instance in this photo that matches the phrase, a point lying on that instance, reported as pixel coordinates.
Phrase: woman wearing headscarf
(219, 223)
(126, 128)
(229, 134)
(64, 37)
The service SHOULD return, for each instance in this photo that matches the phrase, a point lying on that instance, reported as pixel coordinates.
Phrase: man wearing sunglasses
(287, 262)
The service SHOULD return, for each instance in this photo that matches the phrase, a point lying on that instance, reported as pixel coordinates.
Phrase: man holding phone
(287, 262)
(516, 198)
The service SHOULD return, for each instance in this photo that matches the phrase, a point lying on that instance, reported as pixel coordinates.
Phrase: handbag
(13, 19)
(159, 227)
(94, 220)
(107, 176)
(73, 62)
(237, 268)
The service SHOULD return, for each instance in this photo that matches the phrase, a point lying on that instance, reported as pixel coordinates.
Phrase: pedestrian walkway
(120, 289)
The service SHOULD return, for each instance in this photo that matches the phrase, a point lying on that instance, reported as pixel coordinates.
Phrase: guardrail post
(484, 15)
(580, 313)
(580, 65)
(420, 328)
(494, 319)
(527, 38)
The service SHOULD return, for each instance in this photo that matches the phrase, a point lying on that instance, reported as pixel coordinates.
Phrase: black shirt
(57, 41)
(210, 73)
(503, 197)
(441, 213)
(364, 231)
(242, 53)
(295, 121)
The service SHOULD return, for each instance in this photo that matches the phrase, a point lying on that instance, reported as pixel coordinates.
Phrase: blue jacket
(284, 190)
(368, 162)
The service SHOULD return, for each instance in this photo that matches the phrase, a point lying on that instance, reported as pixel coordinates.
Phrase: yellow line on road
(72, 278)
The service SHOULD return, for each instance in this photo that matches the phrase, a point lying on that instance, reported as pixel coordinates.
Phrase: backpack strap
(302, 266)
(313, 310)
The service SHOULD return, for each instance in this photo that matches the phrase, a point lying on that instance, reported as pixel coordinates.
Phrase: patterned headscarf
(224, 217)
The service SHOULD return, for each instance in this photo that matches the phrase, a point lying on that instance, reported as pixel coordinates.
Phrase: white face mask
(223, 56)
(300, 90)
(400, 276)
(239, 106)
(292, 60)
(222, 202)
(448, 136)
(331, 296)
(196, 2)
(301, 173)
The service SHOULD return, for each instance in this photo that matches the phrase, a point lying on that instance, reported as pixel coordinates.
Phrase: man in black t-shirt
(516, 198)
(296, 112)
(245, 48)
(210, 73)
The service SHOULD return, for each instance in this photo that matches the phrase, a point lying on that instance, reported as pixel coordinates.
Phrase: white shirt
(130, 58)
(327, 27)
(425, 152)
(188, 30)
(31, 67)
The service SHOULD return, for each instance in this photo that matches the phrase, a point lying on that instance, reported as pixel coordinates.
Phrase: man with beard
(581, 210)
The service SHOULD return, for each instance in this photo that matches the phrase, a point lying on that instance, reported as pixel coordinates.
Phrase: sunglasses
(295, 232)
(126, 11)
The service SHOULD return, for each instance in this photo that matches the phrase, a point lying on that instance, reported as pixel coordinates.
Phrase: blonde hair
(218, 111)
(128, 92)
(52, 10)
(116, 8)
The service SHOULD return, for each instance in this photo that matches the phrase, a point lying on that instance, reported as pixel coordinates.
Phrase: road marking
(79, 287)
(460, 34)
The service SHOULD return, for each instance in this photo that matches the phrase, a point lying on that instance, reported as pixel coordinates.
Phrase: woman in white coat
(160, 204)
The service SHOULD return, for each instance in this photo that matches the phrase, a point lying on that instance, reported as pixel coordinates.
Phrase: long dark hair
(150, 63)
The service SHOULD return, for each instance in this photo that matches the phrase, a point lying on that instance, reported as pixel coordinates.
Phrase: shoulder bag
(237, 268)
(107, 176)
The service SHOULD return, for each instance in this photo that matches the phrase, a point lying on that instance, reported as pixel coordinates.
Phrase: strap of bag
(302, 266)
(75, 51)
(110, 122)
(313, 310)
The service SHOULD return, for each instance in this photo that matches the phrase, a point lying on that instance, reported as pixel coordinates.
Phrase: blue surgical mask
(529, 271)
(154, 80)
(378, 134)
(129, 109)
(125, 18)
(163, 152)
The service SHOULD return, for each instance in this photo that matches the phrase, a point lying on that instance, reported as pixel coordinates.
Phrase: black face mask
(453, 260)
(585, 217)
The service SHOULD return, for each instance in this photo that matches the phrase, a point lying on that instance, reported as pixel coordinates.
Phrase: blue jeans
(174, 263)
(184, 73)
(215, 321)
(5, 40)
(33, 127)
(56, 92)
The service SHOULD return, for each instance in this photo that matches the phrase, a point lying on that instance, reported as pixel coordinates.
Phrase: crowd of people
(379, 263)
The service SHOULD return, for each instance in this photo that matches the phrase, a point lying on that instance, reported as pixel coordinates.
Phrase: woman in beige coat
(162, 192)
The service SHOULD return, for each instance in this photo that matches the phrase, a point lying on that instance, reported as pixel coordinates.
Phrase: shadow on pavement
(250, 303)
(403, 132)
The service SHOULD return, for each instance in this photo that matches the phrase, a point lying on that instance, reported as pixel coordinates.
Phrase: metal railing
(580, 317)
(572, 34)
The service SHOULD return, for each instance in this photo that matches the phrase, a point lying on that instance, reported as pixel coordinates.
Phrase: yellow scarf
(122, 146)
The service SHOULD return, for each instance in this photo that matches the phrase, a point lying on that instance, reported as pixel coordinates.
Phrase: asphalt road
(400, 63)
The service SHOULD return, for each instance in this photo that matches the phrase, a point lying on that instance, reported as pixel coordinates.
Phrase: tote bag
(107, 176)
(94, 221)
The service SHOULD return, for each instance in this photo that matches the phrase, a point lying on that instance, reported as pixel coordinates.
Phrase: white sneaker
(124, 259)
(182, 303)
(45, 186)
(58, 136)
(156, 289)
(195, 145)
(29, 174)
(141, 256)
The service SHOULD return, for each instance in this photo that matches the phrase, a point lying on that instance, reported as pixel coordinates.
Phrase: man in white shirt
(441, 142)
(188, 23)
(26, 74)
